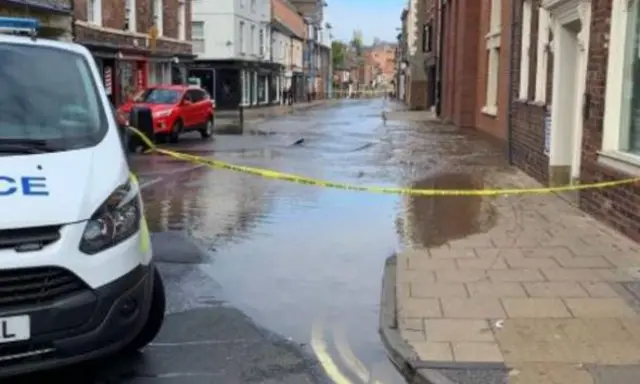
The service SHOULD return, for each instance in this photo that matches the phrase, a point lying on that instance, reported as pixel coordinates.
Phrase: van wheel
(155, 318)
(207, 131)
(174, 136)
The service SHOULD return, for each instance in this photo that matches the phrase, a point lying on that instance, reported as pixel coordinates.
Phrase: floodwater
(306, 262)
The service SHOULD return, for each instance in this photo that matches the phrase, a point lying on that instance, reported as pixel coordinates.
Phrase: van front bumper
(81, 325)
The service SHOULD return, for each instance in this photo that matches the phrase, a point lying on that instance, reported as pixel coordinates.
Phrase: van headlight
(117, 219)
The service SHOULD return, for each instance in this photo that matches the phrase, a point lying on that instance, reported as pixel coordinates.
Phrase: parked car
(176, 109)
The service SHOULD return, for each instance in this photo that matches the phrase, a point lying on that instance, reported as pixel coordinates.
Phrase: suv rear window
(49, 94)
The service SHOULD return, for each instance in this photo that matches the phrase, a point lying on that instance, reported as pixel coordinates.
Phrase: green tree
(356, 43)
(338, 53)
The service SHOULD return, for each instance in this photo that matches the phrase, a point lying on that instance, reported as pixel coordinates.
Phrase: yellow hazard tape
(271, 174)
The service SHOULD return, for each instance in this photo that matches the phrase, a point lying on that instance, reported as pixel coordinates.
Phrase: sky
(375, 18)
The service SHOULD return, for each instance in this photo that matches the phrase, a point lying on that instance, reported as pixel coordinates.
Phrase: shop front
(263, 89)
(160, 71)
(132, 77)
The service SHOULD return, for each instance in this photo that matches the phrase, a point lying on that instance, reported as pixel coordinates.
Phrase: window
(496, 16)
(427, 45)
(493, 59)
(197, 36)
(252, 40)
(253, 5)
(195, 95)
(182, 20)
(525, 43)
(242, 41)
(261, 52)
(157, 16)
(621, 126)
(94, 12)
(130, 15)
(543, 55)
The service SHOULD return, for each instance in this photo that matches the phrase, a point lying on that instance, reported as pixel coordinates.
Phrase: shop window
(262, 89)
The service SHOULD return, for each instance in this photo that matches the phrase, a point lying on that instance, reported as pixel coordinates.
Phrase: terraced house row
(244, 52)
(557, 81)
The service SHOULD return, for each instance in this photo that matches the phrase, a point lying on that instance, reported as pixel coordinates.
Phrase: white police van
(77, 279)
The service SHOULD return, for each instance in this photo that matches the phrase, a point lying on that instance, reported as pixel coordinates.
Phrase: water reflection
(433, 221)
(212, 205)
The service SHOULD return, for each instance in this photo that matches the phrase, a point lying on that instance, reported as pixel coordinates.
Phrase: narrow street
(274, 282)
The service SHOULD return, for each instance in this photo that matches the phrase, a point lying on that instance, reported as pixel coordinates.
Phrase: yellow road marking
(349, 358)
(319, 347)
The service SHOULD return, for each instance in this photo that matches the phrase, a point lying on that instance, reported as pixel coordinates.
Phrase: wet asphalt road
(275, 282)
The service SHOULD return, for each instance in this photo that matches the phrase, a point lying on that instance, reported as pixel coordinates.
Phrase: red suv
(176, 109)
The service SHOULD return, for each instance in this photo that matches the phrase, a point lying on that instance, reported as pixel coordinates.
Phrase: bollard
(241, 111)
(142, 119)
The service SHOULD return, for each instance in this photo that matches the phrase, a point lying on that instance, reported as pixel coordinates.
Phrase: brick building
(136, 42)
(289, 32)
(382, 58)
(475, 64)
(575, 119)
(55, 16)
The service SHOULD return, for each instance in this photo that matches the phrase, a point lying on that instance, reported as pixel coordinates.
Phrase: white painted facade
(231, 29)
(297, 54)
(281, 53)
(570, 22)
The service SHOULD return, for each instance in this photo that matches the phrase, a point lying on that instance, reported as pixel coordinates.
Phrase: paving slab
(547, 295)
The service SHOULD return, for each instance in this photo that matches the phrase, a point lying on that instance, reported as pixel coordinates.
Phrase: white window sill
(490, 110)
(625, 162)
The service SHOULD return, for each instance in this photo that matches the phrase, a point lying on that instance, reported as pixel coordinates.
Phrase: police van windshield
(48, 96)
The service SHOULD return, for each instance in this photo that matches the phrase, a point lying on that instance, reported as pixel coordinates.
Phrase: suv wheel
(174, 136)
(207, 131)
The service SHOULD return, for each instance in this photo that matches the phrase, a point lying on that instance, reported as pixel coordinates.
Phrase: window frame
(157, 15)
(525, 49)
(198, 37)
(94, 12)
(613, 132)
(542, 60)
(131, 17)
(493, 42)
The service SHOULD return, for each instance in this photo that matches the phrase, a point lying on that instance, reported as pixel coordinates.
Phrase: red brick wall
(113, 18)
(289, 16)
(616, 206)
(494, 125)
(460, 64)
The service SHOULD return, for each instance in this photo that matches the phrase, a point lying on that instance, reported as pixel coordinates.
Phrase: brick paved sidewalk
(548, 293)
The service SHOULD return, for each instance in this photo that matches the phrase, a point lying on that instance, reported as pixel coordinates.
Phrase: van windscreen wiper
(27, 146)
